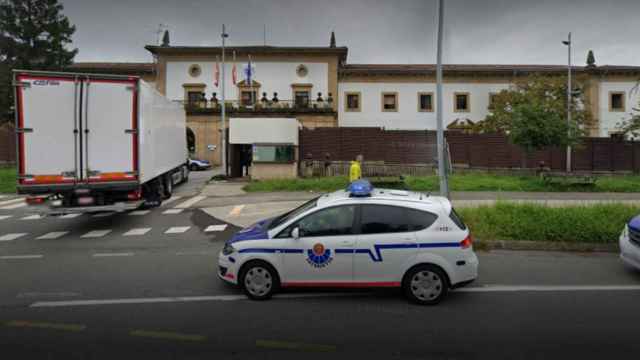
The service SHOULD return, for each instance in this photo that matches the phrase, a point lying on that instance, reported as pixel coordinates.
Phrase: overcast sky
(376, 31)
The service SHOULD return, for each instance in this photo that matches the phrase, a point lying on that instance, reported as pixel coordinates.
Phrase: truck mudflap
(49, 209)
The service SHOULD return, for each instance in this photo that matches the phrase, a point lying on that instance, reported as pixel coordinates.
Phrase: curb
(525, 245)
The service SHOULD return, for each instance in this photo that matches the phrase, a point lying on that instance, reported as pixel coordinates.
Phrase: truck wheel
(168, 186)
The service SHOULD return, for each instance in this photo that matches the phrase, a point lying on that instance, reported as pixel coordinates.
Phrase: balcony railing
(281, 106)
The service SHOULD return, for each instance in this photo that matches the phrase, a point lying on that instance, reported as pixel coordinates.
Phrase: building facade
(317, 87)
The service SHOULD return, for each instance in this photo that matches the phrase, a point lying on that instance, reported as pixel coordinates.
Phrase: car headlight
(228, 249)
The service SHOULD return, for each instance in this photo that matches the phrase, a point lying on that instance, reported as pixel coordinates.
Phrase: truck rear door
(47, 124)
(109, 123)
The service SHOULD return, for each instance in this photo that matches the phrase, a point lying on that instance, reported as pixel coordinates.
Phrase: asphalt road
(155, 295)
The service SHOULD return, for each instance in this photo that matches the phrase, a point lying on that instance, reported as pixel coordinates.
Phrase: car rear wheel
(259, 280)
(425, 285)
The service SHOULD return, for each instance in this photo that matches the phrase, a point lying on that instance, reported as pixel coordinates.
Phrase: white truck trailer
(89, 142)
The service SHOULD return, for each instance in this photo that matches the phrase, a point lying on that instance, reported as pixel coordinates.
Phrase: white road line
(20, 257)
(190, 202)
(69, 216)
(170, 200)
(32, 217)
(211, 228)
(2, 217)
(172, 211)
(104, 214)
(137, 232)
(177, 229)
(188, 253)
(549, 288)
(52, 235)
(236, 210)
(96, 234)
(14, 206)
(12, 201)
(12, 236)
(3, 196)
(139, 212)
(112, 254)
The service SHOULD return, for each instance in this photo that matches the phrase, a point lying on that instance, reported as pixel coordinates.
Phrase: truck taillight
(36, 200)
(467, 242)
(134, 195)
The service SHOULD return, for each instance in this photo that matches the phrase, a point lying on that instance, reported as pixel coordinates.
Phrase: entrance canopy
(263, 131)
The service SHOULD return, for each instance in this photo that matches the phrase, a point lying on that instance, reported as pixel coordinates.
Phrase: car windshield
(293, 213)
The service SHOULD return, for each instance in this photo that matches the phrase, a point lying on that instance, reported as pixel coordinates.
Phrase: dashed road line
(12, 236)
(137, 232)
(177, 229)
(21, 257)
(14, 206)
(286, 345)
(190, 202)
(45, 325)
(170, 200)
(96, 234)
(190, 253)
(32, 217)
(104, 214)
(3, 217)
(52, 235)
(69, 216)
(212, 228)
(167, 335)
(12, 201)
(548, 288)
(172, 211)
(139, 212)
(236, 210)
(112, 254)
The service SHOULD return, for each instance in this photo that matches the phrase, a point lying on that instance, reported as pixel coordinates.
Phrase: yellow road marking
(45, 325)
(236, 210)
(294, 346)
(167, 335)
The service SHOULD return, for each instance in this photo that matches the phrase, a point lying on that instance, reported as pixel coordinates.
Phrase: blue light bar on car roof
(360, 188)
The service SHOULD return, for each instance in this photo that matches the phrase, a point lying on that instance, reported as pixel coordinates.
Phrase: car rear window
(457, 219)
(380, 219)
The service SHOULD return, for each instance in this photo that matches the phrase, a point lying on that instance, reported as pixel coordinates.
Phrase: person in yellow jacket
(355, 171)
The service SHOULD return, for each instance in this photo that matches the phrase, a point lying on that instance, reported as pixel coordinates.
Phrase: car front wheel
(425, 285)
(259, 280)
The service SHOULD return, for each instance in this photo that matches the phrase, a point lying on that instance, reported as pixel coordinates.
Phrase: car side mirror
(295, 233)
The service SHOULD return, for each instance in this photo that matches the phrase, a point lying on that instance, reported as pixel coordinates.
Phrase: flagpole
(253, 98)
(223, 131)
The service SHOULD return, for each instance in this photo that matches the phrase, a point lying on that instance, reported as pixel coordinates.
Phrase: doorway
(240, 159)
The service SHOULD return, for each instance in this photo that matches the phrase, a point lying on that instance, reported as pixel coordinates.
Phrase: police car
(359, 237)
(630, 243)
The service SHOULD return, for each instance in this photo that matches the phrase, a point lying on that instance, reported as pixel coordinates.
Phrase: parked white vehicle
(91, 142)
(361, 237)
(630, 243)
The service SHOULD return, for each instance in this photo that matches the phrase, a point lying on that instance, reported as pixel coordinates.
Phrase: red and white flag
(216, 74)
(234, 71)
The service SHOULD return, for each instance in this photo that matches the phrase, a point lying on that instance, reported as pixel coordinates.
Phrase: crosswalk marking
(112, 254)
(32, 217)
(14, 206)
(96, 234)
(12, 236)
(2, 217)
(170, 200)
(52, 235)
(211, 228)
(177, 229)
(12, 201)
(3, 196)
(190, 202)
(69, 216)
(137, 232)
(172, 211)
(21, 257)
(139, 212)
(104, 214)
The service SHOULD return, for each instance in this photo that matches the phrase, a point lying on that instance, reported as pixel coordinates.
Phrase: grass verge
(599, 224)
(7, 180)
(466, 182)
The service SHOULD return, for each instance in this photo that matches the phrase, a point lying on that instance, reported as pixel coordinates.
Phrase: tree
(33, 35)
(631, 127)
(535, 127)
(548, 92)
(591, 59)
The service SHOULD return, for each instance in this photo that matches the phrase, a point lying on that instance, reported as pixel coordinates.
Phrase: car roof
(401, 197)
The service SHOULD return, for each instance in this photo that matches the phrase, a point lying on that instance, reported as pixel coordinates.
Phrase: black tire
(253, 271)
(153, 193)
(167, 186)
(425, 284)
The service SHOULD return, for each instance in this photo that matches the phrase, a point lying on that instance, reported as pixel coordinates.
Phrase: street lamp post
(569, 100)
(223, 129)
(444, 186)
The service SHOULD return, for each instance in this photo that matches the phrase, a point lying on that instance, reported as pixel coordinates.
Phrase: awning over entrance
(263, 131)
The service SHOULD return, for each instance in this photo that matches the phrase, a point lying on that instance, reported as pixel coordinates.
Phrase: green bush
(7, 180)
(510, 221)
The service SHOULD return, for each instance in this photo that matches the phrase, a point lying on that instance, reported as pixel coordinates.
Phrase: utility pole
(223, 128)
(442, 173)
(569, 101)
